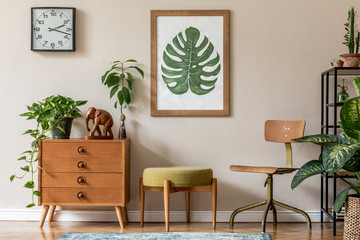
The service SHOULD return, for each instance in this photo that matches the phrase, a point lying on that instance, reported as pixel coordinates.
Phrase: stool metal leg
(273, 209)
(269, 201)
(238, 210)
(263, 220)
(283, 205)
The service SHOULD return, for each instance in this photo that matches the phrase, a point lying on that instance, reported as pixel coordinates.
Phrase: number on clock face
(52, 29)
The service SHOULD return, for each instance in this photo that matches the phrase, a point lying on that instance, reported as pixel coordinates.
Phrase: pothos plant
(121, 81)
(338, 152)
(47, 114)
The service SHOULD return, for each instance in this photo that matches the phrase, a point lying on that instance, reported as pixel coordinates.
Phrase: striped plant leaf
(322, 139)
(309, 169)
(339, 201)
(188, 64)
(356, 83)
(353, 165)
(335, 155)
(351, 140)
(350, 118)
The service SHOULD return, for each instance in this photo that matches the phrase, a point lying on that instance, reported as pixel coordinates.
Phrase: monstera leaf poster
(190, 63)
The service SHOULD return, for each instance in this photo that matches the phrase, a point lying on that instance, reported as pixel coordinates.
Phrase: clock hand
(52, 29)
(59, 31)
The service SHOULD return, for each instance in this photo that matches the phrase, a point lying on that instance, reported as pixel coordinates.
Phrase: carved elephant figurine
(99, 117)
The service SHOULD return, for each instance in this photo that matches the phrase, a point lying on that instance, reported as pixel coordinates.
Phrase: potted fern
(352, 38)
(340, 152)
(121, 81)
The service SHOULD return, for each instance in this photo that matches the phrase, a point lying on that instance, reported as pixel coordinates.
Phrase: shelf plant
(48, 113)
(351, 40)
(121, 81)
(337, 61)
(338, 151)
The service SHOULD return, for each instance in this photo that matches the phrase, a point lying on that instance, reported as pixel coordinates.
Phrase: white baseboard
(152, 216)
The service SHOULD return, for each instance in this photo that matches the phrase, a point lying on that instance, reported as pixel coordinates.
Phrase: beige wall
(278, 50)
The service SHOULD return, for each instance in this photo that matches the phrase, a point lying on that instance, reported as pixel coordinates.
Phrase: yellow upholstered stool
(178, 179)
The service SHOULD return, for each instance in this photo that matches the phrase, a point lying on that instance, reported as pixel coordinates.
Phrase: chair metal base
(270, 205)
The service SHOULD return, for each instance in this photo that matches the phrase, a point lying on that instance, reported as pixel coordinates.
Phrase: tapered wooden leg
(120, 217)
(187, 201)
(124, 213)
(51, 213)
(167, 203)
(214, 200)
(142, 201)
(43, 215)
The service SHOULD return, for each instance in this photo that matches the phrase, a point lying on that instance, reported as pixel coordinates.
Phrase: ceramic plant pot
(351, 59)
(352, 218)
(66, 124)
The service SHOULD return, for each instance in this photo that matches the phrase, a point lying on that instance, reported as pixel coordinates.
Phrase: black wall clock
(53, 29)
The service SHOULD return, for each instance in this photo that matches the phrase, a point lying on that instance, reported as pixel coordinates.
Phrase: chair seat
(267, 170)
(178, 176)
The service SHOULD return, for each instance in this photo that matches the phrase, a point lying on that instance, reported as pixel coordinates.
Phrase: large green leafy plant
(47, 114)
(188, 63)
(121, 81)
(338, 152)
(352, 36)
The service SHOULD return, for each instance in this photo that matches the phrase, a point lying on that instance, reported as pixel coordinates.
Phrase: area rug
(164, 236)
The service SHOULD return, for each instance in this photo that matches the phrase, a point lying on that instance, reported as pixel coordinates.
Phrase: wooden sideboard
(84, 173)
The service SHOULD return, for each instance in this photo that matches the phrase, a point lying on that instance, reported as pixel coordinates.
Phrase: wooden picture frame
(190, 62)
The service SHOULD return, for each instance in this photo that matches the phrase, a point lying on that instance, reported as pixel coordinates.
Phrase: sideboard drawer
(80, 149)
(83, 164)
(83, 180)
(82, 196)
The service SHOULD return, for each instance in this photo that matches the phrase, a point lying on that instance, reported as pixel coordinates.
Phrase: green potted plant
(339, 152)
(338, 61)
(64, 110)
(121, 81)
(49, 115)
(352, 38)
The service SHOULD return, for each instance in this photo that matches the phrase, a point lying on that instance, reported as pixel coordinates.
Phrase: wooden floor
(293, 231)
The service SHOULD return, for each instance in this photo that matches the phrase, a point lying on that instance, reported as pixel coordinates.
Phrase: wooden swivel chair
(275, 131)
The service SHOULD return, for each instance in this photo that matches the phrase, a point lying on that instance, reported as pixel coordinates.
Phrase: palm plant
(338, 152)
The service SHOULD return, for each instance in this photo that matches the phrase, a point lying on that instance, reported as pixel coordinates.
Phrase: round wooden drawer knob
(81, 165)
(81, 195)
(81, 150)
(81, 180)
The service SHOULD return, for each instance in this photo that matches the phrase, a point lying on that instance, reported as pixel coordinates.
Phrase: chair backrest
(284, 132)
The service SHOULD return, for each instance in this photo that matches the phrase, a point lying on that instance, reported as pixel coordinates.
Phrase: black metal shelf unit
(329, 82)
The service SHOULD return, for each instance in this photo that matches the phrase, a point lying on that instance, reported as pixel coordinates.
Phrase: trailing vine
(47, 114)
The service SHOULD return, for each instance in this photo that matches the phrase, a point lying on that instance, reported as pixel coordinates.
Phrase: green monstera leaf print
(187, 63)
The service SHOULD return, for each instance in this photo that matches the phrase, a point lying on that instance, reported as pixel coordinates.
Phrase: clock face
(53, 29)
